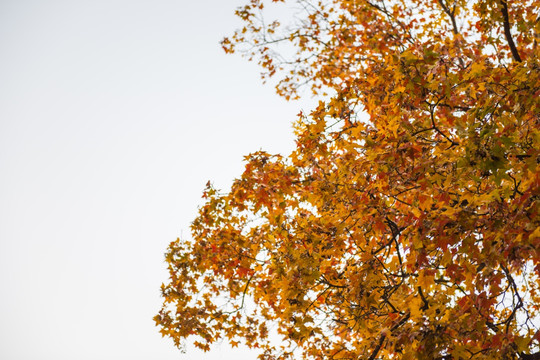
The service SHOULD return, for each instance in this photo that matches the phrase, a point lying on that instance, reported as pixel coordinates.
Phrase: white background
(113, 116)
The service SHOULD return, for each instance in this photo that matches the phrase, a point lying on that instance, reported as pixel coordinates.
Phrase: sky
(113, 116)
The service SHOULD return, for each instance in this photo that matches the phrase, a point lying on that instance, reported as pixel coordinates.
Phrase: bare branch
(507, 33)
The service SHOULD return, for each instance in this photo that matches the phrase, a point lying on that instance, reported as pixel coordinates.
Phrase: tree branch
(451, 15)
(383, 337)
(424, 300)
(377, 348)
(507, 34)
(535, 356)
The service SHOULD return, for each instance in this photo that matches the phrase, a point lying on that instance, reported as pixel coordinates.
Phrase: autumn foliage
(406, 224)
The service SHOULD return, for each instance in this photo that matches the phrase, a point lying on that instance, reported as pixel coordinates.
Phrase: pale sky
(113, 116)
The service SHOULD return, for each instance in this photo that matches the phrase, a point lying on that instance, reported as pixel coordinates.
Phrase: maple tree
(405, 224)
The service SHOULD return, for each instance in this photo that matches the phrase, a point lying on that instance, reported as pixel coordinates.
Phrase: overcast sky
(113, 116)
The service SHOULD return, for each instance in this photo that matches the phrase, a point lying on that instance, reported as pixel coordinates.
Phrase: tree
(406, 223)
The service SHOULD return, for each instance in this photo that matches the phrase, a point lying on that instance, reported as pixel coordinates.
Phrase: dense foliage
(406, 223)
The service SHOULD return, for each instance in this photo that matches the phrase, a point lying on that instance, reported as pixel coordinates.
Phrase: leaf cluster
(406, 223)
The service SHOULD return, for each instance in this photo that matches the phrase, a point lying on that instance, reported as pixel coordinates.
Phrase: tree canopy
(405, 224)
